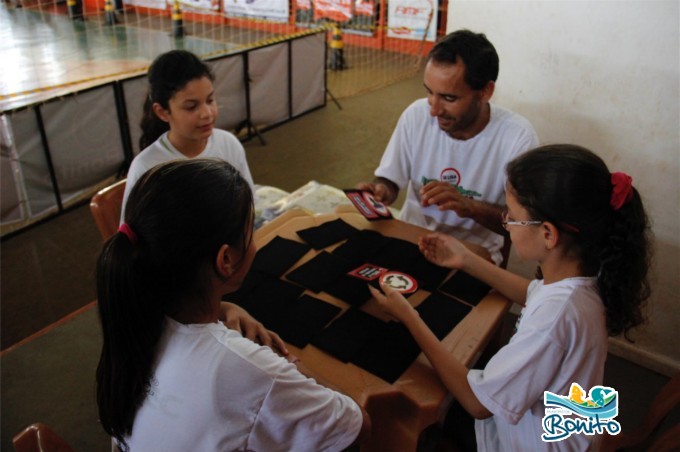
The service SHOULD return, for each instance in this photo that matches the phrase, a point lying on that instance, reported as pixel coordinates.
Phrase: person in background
(180, 111)
(588, 231)
(449, 150)
(171, 375)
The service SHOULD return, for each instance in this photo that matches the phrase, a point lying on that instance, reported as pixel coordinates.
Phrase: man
(450, 150)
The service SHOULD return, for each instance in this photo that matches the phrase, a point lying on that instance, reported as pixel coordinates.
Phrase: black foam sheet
(441, 313)
(429, 275)
(271, 300)
(396, 254)
(252, 280)
(389, 353)
(279, 255)
(305, 318)
(351, 290)
(361, 246)
(348, 334)
(327, 233)
(317, 273)
(465, 287)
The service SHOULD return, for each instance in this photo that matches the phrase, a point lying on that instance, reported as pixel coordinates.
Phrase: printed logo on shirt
(467, 193)
(451, 176)
(578, 414)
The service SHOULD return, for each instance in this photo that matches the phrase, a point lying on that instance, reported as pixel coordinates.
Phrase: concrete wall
(605, 75)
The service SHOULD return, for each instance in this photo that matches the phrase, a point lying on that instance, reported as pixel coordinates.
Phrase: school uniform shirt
(221, 145)
(213, 390)
(561, 339)
(420, 152)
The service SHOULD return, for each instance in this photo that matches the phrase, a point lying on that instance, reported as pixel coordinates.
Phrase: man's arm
(447, 197)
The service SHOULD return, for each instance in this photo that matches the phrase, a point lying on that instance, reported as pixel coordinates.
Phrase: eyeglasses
(506, 222)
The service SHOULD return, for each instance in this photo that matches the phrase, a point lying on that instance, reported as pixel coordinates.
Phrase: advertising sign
(276, 10)
(411, 19)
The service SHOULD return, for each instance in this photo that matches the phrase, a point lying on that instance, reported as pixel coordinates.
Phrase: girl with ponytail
(587, 229)
(180, 369)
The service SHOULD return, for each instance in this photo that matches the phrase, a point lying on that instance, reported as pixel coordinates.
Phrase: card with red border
(366, 204)
(367, 272)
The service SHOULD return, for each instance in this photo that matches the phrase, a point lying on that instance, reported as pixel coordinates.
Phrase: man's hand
(384, 190)
(446, 197)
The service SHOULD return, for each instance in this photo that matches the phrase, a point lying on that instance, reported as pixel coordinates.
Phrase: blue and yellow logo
(578, 414)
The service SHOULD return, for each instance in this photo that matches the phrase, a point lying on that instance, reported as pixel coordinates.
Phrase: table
(399, 411)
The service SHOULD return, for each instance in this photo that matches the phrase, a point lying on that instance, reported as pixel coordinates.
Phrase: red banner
(303, 4)
(336, 10)
(364, 7)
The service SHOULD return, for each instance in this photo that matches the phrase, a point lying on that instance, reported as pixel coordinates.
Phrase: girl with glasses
(588, 231)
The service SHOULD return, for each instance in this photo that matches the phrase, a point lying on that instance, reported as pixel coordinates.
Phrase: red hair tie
(622, 190)
(129, 233)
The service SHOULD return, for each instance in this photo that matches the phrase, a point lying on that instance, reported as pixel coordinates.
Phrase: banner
(152, 4)
(303, 4)
(364, 7)
(276, 10)
(336, 10)
(199, 5)
(409, 19)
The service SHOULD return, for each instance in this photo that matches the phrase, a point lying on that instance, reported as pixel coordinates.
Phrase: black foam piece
(348, 334)
(317, 273)
(278, 256)
(465, 288)
(327, 233)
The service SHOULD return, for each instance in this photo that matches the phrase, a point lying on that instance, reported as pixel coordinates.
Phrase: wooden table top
(399, 411)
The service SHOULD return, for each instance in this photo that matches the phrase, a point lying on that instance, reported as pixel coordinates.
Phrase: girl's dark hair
(182, 212)
(571, 187)
(169, 73)
(476, 51)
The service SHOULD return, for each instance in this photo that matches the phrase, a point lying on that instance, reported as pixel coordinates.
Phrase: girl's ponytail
(152, 126)
(132, 323)
(624, 257)
(601, 216)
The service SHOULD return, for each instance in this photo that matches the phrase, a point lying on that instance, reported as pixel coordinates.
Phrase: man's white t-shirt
(213, 390)
(420, 152)
(221, 145)
(561, 339)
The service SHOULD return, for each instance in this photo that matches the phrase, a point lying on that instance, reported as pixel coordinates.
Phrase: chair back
(39, 437)
(106, 206)
(647, 434)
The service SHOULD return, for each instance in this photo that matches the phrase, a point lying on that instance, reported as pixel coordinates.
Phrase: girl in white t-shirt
(180, 111)
(588, 231)
(176, 373)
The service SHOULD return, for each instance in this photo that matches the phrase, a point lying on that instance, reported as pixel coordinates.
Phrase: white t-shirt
(221, 145)
(214, 390)
(419, 152)
(561, 339)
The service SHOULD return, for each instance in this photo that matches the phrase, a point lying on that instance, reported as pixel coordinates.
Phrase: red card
(368, 272)
(366, 204)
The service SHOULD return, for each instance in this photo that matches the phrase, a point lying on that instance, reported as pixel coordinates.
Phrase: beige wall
(606, 75)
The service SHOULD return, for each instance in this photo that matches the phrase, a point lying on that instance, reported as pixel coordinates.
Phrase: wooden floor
(45, 54)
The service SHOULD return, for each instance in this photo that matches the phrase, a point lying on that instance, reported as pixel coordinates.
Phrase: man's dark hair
(478, 54)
